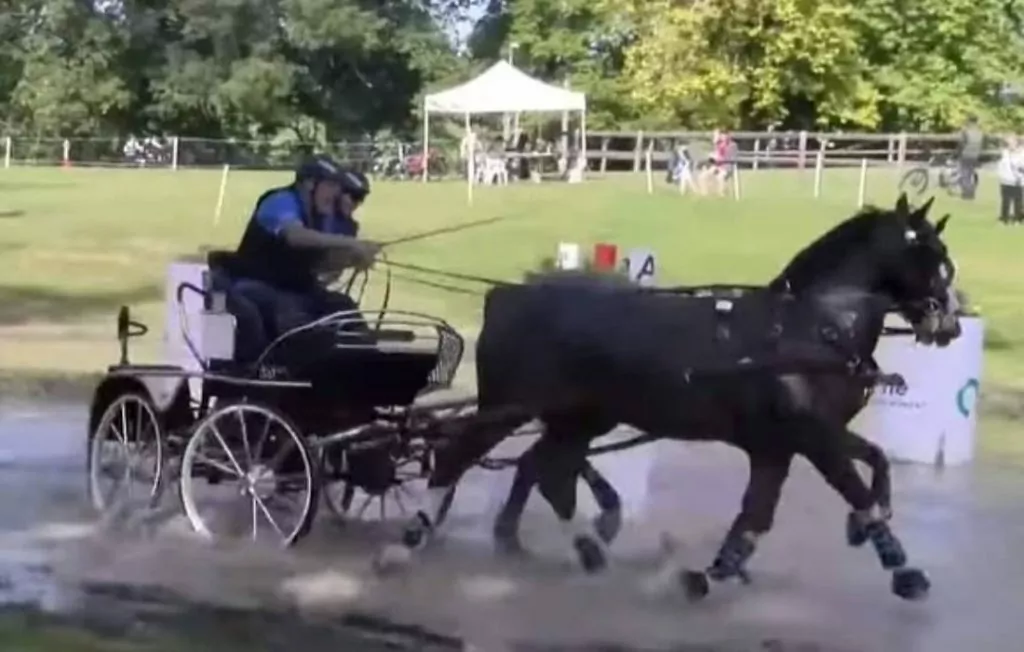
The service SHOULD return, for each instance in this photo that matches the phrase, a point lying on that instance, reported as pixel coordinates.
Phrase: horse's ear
(902, 206)
(941, 224)
(920, 214)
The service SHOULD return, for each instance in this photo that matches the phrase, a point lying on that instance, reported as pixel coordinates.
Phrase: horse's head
(918, 272)
(896, 254)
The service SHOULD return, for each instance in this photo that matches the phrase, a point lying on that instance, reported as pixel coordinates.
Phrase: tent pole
(583, 138)
(471, 168)
(426, 141)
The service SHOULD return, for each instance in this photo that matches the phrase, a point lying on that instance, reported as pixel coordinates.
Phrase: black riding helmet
(323, 168)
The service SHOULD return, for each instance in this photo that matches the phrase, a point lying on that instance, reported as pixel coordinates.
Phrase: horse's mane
(821, 255)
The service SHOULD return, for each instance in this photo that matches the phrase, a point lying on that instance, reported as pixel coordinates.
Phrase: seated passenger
(295, 232)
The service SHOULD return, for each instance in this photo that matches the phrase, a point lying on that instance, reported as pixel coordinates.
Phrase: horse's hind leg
(561, 454)
(506, 526)
(881, 484)
(608, 522)
(826, 448)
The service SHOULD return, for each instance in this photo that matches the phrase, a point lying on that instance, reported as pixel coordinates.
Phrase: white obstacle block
(640, 265)
(568, 255)
(933, 419)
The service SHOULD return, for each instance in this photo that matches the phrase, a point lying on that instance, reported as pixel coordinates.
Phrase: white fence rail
(605, 151)
(176, 152)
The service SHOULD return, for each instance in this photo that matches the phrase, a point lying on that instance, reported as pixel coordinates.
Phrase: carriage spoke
(255, 516)
(226, 449)
(263, 438)
(121, 437)
(220, 466)
(124, 421)
(282, 454)
(245, 440)
(266, 513)
(363, 506)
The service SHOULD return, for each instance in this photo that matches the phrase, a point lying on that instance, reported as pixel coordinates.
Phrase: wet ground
(810, 591)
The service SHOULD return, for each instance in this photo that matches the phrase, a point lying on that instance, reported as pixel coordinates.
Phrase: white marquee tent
(502, 88)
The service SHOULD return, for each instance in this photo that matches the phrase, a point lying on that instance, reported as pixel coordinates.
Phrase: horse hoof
(607, 524)
(856, 533)
(695, 584)
(910, 584)
(592, 557)
(391, 558)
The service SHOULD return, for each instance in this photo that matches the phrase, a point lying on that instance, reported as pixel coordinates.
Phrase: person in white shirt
(1010, 171)
(469, 147)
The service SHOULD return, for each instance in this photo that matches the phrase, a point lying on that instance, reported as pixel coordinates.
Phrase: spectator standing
(972, 140)
(1011, 182)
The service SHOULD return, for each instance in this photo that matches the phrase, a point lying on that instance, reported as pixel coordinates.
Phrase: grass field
(77, 243)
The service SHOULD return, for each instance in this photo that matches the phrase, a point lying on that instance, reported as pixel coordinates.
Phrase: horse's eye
(910, 235)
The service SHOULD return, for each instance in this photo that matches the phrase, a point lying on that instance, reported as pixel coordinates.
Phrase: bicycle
(918, 179)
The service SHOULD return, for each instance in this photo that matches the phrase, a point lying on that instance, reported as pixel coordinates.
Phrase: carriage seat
(253, 327)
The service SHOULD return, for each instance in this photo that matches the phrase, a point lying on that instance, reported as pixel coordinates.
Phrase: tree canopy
(342, 69)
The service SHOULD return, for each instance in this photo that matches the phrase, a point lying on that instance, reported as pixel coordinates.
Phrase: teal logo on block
(967, 397)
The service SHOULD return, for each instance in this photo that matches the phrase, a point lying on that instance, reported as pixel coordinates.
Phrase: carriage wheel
(349, 502)
(124, 461)
(915, 181)
(247, 469)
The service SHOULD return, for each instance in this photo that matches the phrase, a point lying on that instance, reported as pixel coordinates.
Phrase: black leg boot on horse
(824, 446)
(881, 485)
(560, 458)
(768, 473)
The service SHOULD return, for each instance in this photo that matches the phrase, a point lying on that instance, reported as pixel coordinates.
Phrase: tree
(66, 59)
(746, 63)
(559, 40)
(935, 61)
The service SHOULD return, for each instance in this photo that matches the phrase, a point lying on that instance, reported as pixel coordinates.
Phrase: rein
(679, 290)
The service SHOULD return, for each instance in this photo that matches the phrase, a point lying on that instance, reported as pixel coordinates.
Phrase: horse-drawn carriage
(329, 405)
(776, 370)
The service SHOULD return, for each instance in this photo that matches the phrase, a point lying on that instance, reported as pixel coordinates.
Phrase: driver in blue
(294, 233)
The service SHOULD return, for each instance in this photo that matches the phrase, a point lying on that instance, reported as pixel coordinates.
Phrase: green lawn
(75, 244)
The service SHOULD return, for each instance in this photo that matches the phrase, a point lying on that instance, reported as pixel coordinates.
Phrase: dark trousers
(1010, 205)
(265, 312)
(968, 172)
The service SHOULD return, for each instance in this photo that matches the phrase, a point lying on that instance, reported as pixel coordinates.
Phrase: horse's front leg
(768, 473)
(826, 448)
(881, 484)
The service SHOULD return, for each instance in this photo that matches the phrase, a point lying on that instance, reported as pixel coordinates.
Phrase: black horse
(776, 373)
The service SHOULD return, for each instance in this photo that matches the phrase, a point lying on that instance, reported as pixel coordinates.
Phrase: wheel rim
(127, 450)
(247, 470)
